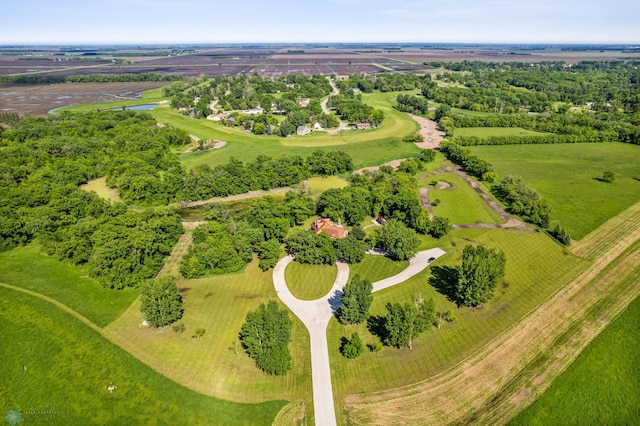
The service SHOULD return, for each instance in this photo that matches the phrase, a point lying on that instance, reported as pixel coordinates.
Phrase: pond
(146, 107)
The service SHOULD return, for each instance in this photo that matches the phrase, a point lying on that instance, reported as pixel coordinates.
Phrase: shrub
(352, 348)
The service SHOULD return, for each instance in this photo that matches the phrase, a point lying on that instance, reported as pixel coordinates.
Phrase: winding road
(316, 314)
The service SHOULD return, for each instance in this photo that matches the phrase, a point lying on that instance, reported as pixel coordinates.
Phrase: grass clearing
(317, 185)
(459, 202)
(69, 367)
(599, 387)
(376, 268)
(99, 186)
(216, 364)
(531, 277)
(310, 282)
(567, 175)
(484, 132)
(27, 267)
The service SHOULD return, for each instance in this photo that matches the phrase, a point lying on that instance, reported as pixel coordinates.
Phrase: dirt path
(489, 386)
(316, 314)
(424, 199)
(208, 146)
(430, 131)
(171, 266)
(238, 197)
(510, 221)
(392, 163)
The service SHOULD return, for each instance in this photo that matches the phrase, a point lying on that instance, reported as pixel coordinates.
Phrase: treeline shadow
(444, 279)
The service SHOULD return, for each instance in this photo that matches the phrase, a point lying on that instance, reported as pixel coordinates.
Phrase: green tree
(439, 227)
(355, 301)
(309, 247)
(481, 270)
(352, 348)
(265, 336)
(160, 302)
(268, 253)
(349, 249)
(608, 176)
(400, 324)
(397, 240)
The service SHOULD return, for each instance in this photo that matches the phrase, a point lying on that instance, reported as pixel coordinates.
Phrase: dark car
(431, 259)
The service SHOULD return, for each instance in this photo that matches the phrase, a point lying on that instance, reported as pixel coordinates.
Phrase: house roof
(326, 225)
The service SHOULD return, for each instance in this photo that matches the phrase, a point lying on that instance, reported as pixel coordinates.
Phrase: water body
(146, 107)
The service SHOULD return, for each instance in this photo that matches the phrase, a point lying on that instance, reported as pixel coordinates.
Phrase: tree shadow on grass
(444, 279)
(376, 324)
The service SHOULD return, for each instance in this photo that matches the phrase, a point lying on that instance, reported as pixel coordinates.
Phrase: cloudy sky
(211, 21)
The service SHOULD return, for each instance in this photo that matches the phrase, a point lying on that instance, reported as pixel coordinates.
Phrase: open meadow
(569, 176)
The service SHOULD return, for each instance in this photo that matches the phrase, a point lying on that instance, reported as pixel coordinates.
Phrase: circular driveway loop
(315, 314)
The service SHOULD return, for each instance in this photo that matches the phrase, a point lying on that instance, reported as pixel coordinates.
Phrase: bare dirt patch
(40, 99)
(394, 163)
(430, 131)
(206, 146)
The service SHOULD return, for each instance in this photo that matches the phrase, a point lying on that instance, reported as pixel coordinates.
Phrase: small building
(363, 126)
(303, 130)
(317, 126)
(326, 225)
(303, 102)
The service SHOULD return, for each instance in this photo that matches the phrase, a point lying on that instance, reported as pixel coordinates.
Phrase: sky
(275, 21)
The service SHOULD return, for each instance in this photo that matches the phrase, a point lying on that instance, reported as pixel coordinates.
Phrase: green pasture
(484, 132)
(376, 268)
(28, 268)
(568, 176)
(601, 386)
(459, 202)
(56, 370)
(310, 282)
(216, 364)
(532, 276)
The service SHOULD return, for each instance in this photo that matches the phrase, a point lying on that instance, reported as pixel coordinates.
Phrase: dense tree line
(122, 78)
(353, 110)
(384, 82)
(482, 268)
(472, 164)
(161, 302)
(412, 104)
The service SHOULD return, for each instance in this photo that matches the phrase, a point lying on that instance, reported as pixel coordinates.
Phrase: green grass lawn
(483, 132)
(310, 282)
(27, 267)
(317, 185)
(216, 364)
(376, 268)
(602, 386)
(148, 97)
(567, 175)
(459, 203)
(69, 367)
(532, 276)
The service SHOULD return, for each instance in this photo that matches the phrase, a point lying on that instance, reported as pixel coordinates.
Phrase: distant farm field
(568, 176)
(38, 100)
(56, 370)
(599, 387)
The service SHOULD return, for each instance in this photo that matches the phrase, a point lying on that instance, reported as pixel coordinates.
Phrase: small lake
(146, 107)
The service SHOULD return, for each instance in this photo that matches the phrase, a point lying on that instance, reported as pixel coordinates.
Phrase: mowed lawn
(56, 370)
(366, 147)
(28, 268)
(317, 185)
(484, 132)
(216, 364)
(532, 276)
(602, 386)
(310, 282)
(567, 175)
(459, 202)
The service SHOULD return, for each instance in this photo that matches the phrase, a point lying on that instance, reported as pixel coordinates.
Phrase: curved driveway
(316, 314)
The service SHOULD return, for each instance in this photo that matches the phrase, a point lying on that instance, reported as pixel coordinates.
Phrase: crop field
(596, 388)
(310, 282)
(216, 364)
(57, 371)
(568, 176)
(40, 99)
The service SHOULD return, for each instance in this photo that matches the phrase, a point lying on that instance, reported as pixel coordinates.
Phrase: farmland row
(474, 385)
